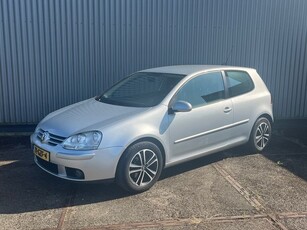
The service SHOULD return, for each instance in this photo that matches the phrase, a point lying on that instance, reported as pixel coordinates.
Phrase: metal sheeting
(57, 52)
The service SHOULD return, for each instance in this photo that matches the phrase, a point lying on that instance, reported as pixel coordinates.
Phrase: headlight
(83, 141)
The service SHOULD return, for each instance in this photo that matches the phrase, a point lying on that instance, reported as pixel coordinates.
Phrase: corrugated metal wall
(56, 52)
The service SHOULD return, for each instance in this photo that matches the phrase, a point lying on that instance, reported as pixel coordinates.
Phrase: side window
(238, 82)
(202, 90)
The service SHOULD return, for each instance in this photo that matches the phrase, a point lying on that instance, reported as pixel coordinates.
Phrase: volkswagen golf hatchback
(153, 119)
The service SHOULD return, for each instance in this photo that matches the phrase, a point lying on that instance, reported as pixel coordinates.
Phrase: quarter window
(202, 90)
(238, 83)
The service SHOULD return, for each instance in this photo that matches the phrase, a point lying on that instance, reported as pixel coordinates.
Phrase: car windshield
(141, 89)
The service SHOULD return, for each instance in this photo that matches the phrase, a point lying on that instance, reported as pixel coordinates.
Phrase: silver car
(154, 119)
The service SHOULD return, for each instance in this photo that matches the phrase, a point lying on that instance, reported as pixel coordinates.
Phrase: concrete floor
(228, 190)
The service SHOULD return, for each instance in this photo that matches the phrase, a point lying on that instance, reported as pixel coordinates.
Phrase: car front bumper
(89, 165)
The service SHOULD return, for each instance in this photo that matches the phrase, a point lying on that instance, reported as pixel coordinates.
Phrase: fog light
(74, 173)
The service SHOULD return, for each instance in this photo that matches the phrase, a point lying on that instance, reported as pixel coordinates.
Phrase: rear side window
(238, 83)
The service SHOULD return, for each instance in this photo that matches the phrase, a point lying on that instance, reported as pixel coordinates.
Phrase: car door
(204, 128)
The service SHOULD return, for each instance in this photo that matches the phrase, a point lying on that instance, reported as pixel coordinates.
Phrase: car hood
(85, 116)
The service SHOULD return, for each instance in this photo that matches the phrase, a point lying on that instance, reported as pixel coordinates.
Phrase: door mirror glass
(181, 106)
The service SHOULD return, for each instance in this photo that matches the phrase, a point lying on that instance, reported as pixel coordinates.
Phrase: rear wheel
(140, 167)
(260, 135)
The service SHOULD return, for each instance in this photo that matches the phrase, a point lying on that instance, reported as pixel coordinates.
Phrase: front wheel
(260, 135)
(140, 167)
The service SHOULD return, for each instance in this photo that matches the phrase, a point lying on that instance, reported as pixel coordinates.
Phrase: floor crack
(250, 197)
(68, 203)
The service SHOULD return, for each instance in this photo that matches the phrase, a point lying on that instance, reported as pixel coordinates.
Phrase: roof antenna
(228, 56)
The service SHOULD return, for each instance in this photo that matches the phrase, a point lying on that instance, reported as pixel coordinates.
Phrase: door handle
(227, 109)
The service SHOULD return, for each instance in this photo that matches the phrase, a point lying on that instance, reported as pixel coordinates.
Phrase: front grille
(54, 139)
(50, 167)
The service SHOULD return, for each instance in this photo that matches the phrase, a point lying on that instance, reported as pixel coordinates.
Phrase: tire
(139, 167)
(261, 135)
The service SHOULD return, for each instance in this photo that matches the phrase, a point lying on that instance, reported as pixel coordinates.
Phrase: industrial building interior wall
(55, 53)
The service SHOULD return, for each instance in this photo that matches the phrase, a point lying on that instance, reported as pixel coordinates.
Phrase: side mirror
(181, 106)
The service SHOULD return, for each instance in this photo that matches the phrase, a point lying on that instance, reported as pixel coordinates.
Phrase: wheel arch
(251, 142)
(265, 115)
(149, 139)
(120, 175)
(155, 141)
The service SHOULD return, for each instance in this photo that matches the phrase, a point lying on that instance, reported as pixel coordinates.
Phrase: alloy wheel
(262, 136)
(143, 167)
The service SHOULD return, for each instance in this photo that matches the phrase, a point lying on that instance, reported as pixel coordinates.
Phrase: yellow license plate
(41, 153)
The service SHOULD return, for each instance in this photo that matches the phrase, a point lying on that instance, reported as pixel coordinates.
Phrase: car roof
(189, 69)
